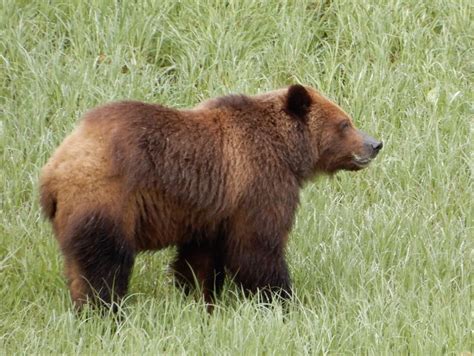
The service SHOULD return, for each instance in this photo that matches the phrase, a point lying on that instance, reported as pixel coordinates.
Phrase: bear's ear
(298, 101)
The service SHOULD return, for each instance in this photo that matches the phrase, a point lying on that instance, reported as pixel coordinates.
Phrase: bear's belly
(161, 222)
(158, 222)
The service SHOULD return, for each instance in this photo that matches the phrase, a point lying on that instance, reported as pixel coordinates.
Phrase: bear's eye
(344, 125)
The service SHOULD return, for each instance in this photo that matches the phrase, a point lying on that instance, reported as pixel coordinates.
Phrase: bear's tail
(48, 201)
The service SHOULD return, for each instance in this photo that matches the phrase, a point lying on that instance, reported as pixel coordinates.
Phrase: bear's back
(194, 159)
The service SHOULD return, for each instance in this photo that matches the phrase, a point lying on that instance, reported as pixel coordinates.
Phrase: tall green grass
(380, 259)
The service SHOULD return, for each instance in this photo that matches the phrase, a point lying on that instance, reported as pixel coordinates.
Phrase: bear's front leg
(199, 262)
(258, 232)
(255, 254)
(262, 269)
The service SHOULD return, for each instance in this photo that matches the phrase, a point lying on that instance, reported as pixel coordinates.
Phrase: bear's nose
(371, 144)
(377, 146)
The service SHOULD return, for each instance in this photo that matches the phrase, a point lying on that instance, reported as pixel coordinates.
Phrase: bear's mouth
(361, 162)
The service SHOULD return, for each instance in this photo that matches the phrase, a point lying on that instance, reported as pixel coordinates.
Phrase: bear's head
(336, 143)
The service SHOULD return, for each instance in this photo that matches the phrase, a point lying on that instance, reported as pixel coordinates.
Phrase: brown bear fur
(220, 181)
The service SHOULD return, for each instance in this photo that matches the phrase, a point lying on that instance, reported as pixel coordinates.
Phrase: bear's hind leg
(98, 260)
(200, 262)
(79, 289)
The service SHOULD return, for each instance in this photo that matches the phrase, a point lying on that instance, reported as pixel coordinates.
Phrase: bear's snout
(376, 147)
(369, 149)
(372, 146)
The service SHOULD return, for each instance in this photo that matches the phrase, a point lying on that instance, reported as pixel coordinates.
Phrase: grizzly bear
(220, 181)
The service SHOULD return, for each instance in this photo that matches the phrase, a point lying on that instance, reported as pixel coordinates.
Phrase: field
(380, 259)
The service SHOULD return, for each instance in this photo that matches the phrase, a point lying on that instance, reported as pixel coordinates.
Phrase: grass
(380, 259)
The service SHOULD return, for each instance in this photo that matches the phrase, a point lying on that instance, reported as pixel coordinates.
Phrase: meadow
(380, 259)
